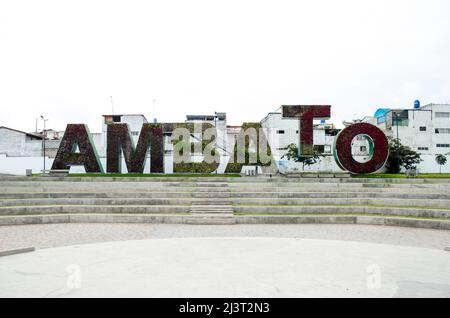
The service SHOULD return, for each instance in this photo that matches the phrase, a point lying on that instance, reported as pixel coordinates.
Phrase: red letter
(343, 148)
(119, 138)
(77, 135)
(306, 114)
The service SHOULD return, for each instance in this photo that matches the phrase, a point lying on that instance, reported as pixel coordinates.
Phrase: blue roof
(381, 112)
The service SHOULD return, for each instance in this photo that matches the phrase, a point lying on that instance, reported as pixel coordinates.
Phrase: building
(51, 134)
(282, 132)
(19, 150)
(16, 143)
(424, 129)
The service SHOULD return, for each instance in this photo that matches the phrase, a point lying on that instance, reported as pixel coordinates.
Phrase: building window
(423, 148)
(442, 130)
(442, 115)
(296, 132)
(443, 145)
(280, 132)
(422, 128)
(400, 122)
(135, 133)
(116, 118)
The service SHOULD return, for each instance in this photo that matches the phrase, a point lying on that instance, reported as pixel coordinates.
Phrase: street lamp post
(397, 144)
(43, 141)
(396, 122)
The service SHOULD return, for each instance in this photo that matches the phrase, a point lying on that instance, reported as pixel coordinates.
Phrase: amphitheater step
(221, 201)
(211, 220)
(212, 205)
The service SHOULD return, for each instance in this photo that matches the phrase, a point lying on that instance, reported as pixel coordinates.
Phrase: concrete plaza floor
(228, 267)
(56, 235)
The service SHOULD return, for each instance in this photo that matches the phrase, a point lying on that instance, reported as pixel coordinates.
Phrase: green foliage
(293, 154)
(194, 167)
(401, 156)
(441, 160)
(233, 166)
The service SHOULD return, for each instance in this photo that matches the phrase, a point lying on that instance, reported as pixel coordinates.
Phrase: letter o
(343, 148)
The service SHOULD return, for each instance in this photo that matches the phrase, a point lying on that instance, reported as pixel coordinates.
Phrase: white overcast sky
(64, 59)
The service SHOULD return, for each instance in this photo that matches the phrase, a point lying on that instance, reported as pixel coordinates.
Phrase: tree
(294, 154)
(401, 156)
(441, 160)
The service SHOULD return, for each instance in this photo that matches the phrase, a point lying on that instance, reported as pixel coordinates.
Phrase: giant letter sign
(119, 138)
(306, 115)
(377, 141)
(77, 135)
(151, 136)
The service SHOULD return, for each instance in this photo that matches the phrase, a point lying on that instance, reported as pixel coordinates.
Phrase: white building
(282, 132)
(19, 150)
(424, 129)
(16, 143)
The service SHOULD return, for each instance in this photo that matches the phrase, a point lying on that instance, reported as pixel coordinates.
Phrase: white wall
(13, 143)
(326, 164)
(18, 165)
(429, 165)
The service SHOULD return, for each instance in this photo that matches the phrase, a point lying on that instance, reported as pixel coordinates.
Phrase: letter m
(119, 139)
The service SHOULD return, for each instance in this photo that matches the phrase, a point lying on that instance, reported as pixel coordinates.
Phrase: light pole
(396, 122)
(43, 141)
(397, 144)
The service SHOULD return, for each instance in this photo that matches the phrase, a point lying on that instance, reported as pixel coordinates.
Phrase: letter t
(306, 115)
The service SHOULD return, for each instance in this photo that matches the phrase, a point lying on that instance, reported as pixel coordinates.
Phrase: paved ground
(228, 267)
(54, 235)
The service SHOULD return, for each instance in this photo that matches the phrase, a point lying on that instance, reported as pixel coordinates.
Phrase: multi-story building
(424, 129)
(282, 132)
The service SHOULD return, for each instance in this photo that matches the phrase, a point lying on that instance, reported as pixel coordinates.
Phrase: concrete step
(211, 202)
(388, 194)
(425, 203)
(94, 201)
(211, 220)
(230, 211)
(214, 209)
(210, 206)
(129, 189)
(318, 185)
(346, 210)
(258, 187)
(236, 191)
(212, 184)
(212, 187)
(267, 194)
(31, 210)
(208, 191)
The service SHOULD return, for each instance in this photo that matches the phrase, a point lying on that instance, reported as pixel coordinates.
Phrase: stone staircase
(211, 204)
(217, 200)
